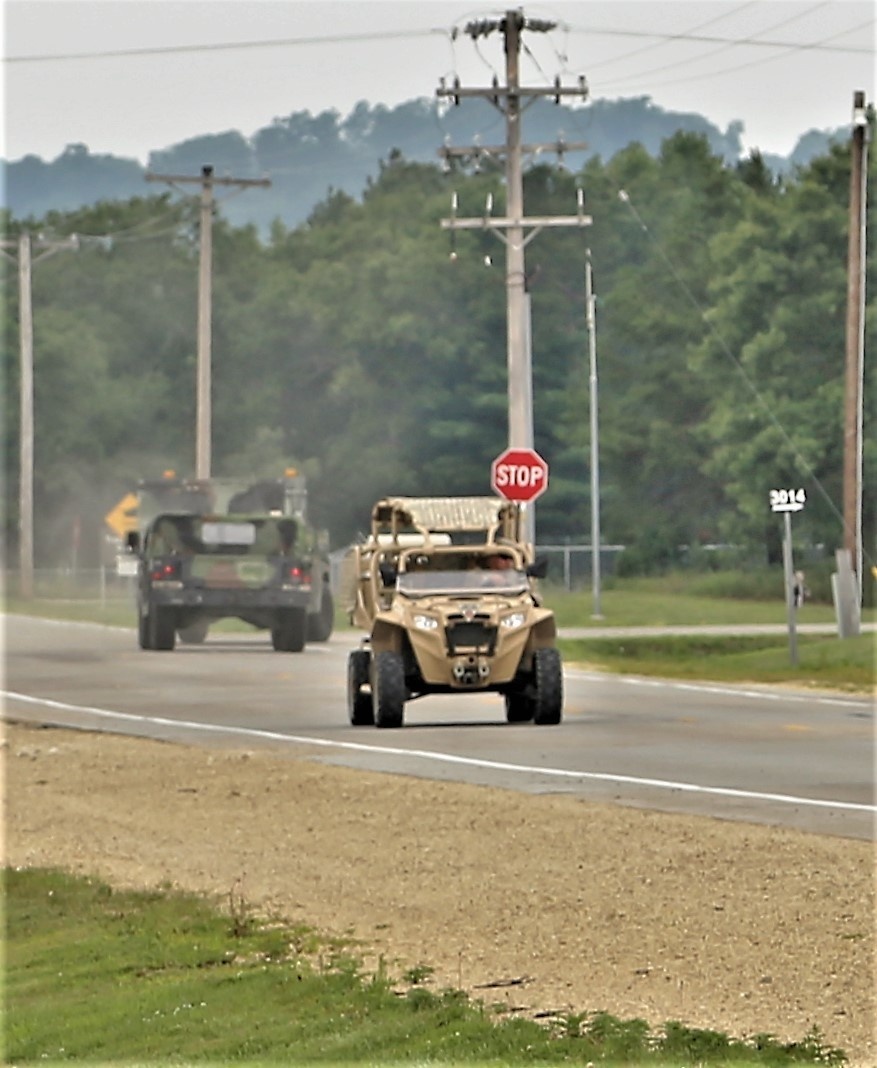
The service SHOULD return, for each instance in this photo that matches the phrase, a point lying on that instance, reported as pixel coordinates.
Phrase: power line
(752, 39)
(293, 42)
(816, 46)
(227, 46)
(689, 33)
(721, 71)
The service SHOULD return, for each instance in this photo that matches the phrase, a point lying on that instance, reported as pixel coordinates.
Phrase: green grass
(726, 599)
(113, 612)
(107, 976)
(681, 600)
(823, 663)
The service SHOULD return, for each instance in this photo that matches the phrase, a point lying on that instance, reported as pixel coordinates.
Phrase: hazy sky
(782, 67)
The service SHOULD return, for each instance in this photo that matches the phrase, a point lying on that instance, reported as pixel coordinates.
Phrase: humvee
(445, 589)
(212, 549)
(196, 569)
(232, 500)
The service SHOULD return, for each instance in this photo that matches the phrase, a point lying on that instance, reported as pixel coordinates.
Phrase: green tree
(776, 354)
(357, 349)
(651, 254)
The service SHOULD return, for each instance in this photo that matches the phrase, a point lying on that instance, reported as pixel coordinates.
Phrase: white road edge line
(445, 758)
(723, 691)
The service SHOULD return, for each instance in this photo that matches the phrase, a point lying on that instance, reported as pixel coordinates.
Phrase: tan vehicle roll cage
(402, 523)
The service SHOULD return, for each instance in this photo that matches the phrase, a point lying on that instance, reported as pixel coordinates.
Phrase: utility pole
(26, 261)
(511, 228)
(591, 314)
(203, 407)
(855, 340)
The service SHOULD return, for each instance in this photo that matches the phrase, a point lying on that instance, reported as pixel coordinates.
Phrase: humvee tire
(388, 689)
(162, 632)
(320, 623)
(144, 632)
(548, 686)
(290, 632)
(360, 706)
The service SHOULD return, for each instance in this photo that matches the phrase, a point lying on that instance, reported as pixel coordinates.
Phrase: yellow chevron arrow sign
(122, 518)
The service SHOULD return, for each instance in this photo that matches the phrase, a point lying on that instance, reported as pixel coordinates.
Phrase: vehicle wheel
(548, 686)
(195, 633)
(388, 689)
(360, 707)
(320, 624)
(162, 631)
(144, 631)
(518, 708)
(289, 635)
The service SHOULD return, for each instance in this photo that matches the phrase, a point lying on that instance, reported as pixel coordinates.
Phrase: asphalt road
(763, 755)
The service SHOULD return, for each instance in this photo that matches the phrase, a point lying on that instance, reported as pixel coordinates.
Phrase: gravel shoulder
(538, 903)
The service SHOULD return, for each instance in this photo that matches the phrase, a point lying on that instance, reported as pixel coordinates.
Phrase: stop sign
(519, 475)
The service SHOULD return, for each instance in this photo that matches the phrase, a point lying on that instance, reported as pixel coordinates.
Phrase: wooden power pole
(26, 261)
(511, 228)
(855, 340)
(203, 390)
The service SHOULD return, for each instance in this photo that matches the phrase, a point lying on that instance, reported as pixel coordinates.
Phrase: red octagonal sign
(519, 475)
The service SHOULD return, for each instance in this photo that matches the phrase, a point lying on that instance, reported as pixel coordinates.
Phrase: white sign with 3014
(787, 500)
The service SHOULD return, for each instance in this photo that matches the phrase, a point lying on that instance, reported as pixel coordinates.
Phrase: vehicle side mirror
(539, 568)
(132, 540)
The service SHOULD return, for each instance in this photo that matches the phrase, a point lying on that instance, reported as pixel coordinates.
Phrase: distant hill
(306, 155)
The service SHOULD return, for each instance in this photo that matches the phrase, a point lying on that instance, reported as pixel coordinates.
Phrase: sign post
(788, 501)
(520, 475)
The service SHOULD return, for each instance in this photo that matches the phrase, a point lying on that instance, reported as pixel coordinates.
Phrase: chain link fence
(572, 566)
(101, 585)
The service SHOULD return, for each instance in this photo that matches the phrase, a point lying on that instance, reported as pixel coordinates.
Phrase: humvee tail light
(299, 576)
(164, 572)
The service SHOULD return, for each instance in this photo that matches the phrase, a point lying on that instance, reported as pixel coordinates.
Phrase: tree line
(354, 347)
(305, 154)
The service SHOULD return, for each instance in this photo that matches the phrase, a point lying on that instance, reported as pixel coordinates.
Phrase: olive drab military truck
(444, 588)
(219, 548)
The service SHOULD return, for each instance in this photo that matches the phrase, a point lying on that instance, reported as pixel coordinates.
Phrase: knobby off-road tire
(290, 630)
(320, 624)
(547, 687)
(388, 689)
(518, 708)
(360, 707)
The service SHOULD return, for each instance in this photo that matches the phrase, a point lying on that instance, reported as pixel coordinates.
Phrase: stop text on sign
(513, 475)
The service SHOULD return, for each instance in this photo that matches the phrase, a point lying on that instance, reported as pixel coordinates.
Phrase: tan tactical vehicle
(444, 588)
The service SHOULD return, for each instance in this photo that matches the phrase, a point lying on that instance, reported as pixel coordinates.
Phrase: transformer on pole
(514, 228)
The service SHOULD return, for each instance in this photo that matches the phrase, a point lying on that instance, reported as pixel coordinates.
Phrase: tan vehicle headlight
(516, 619)
(425, 623)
